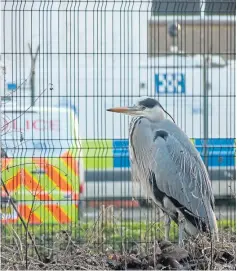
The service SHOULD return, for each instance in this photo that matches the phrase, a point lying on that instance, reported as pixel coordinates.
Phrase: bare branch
(21, 219)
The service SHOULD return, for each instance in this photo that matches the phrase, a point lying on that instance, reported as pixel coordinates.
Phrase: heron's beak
(119, 109)
(125, 110)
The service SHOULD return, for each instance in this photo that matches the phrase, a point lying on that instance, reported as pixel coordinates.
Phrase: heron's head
(145, 107)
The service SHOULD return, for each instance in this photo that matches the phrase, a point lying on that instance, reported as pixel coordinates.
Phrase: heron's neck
(157, 115)
(133, 123)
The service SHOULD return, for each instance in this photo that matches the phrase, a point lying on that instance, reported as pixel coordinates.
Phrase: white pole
(1, 90)
(1, 93)
(2, 71)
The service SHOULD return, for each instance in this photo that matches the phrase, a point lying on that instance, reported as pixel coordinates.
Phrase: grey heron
(170, 169)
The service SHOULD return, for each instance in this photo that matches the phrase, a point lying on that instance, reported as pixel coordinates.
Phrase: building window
(177, 7)
(223, 7)
(194, 7)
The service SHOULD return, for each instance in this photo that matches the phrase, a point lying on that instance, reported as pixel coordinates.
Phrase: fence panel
(65, 159)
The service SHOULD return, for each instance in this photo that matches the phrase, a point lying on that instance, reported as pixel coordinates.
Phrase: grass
(102, 234)
(114, 245)
(106, 243)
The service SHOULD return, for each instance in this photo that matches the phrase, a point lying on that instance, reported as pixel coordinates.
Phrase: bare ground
(198, 254)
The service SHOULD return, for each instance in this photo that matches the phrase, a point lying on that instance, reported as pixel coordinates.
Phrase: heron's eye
(143, 107)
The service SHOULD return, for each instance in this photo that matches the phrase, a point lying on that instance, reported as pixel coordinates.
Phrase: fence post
(32, 76)
(205, 108)
(1, 88)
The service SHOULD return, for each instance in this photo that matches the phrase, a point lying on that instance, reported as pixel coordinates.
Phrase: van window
(42, 132)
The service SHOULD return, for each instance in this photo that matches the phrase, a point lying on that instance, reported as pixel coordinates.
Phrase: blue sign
(11, 86)
(170, 83)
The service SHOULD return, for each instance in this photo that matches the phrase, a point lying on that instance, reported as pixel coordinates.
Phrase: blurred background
(65, 161)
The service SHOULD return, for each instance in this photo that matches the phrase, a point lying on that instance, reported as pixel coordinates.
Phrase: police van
(42, 169)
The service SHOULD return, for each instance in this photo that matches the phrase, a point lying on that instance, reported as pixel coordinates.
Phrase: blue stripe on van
(215, 141)
(221, 152)
(121, 153)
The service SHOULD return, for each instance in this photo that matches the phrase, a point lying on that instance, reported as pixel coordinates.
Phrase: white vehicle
(43, 171)
(98, 58)
(178, 83)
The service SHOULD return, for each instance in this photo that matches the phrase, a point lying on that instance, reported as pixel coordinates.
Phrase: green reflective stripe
(97, 154)
(71, 210)
(76, 151)
(12, 169)
(44, 181)
(23, 194)
(7, 174)
(43, 213)
(72, 178)
(65, 172)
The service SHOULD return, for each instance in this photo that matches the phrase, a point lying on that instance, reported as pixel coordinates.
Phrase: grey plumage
(167, 156)
(170, 169)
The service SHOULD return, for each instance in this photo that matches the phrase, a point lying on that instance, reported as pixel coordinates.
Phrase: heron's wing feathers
(186, 156)
(179, 174)
(165, 152)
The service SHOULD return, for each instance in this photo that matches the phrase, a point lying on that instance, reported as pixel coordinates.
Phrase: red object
(115, 203)
(82, 188)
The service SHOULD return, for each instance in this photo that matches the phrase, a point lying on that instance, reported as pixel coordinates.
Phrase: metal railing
(65, 163)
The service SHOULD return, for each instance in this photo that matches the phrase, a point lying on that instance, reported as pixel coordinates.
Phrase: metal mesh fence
(65, 159)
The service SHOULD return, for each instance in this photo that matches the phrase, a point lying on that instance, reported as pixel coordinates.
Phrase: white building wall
(95, 53)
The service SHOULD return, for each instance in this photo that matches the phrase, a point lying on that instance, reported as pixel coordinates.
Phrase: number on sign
(170, 83)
